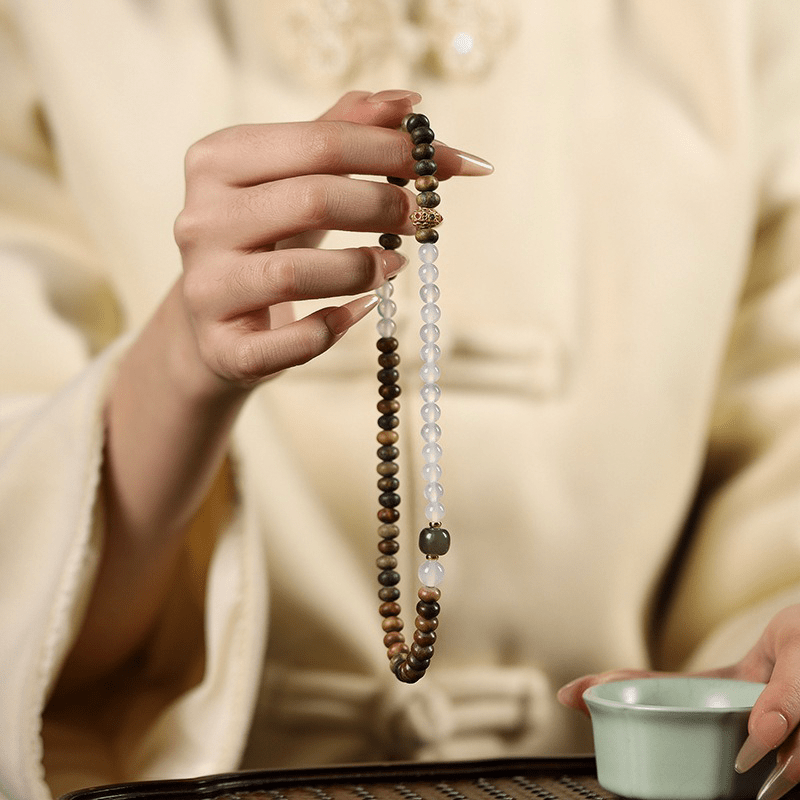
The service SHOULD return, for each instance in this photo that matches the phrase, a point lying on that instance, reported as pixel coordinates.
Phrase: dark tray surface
(506, 779)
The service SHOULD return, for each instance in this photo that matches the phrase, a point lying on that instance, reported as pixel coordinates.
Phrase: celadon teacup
(674, 738)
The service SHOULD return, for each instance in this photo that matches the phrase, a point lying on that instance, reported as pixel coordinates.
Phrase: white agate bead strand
(434, 541)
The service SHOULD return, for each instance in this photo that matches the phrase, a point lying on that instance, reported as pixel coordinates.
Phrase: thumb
(384, 109)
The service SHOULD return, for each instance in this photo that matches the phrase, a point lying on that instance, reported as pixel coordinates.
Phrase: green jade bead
(434, 541)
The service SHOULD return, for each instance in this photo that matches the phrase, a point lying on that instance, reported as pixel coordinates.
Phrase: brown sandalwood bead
(429, 594)
(424, 638)
(392, 624)
(388, 467)
(387, 344)
(388, 437)
(419, 664)
(389, 359)
(396, 660)
(388, 406)
(422, 653)
(388, 593)
(397, 648)
(389, 391)
(426, 183)
(426, 235)
(386, 562)
(390, 609)
(390, 484)
(388, 515)
(428, 200)
(388, 546)
(428, 610)
(394, 637)
(389, 532)
(407, 674)
(426, 625)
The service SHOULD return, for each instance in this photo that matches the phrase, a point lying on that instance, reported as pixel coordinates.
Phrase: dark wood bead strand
(408, 662)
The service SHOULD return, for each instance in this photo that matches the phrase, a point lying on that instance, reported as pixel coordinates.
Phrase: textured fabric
(621, 391)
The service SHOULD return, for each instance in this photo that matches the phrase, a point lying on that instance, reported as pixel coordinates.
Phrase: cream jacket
(621, 318)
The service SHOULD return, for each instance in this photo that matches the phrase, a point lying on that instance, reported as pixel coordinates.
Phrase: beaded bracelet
(410, 663)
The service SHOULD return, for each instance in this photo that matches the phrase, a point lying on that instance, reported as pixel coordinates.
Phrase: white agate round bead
(431, 452)
(386, 327)
(429, 273)
(434, 512)
(429, 293)
(385, 291)
(430, 432)
(428, 253)
(430, 312)
(431, 472)
(429, 332)
(431, 573)
(430, 392)
(430, 412)
(430, 373)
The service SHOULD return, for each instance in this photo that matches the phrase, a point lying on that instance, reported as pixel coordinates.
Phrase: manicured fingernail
(470, 164)
(393, 262)
(344, 317)
(389, 95)
(772, 730)
(777, 783)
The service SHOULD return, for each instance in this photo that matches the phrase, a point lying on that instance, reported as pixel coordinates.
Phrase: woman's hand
(774, 720)
(258, 197)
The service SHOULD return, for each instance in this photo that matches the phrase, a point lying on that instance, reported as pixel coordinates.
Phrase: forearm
(168, 421)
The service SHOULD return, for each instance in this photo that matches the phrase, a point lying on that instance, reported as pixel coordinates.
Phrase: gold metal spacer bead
(426, 218)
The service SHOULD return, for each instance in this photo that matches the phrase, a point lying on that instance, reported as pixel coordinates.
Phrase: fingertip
(339, 320)
(393, 95)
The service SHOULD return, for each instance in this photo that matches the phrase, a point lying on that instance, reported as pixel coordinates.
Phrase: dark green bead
(390, 241)
(388, 452)
(389, 499)
(388, 577)
(389, 359)
(423, 151)
(388, 375)
(426, 166)
(389, 484)
(388, 422)
(428, 199)
(397, 181)
(422, 135)
(434, 541)
(416, 121)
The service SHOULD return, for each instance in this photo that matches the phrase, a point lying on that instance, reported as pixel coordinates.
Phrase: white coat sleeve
(62, 339)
